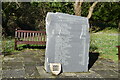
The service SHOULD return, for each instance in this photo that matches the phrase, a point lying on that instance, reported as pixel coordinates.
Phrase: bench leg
(119, 53)
(15, 47)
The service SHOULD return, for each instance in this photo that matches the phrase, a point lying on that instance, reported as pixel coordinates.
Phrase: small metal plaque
(55, 68)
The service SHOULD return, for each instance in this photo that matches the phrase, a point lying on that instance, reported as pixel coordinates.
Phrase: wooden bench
(29, 37)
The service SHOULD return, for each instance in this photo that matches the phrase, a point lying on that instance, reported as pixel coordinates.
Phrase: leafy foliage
(107, 13)
(7, 45)
(31, 15)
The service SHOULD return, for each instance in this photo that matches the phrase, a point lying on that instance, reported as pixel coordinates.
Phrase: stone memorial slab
(67, 42)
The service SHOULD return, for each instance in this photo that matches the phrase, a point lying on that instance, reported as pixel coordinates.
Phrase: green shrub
(7, 45)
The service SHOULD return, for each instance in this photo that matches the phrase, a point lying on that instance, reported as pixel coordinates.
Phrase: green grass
(7, 45)
(105, 44)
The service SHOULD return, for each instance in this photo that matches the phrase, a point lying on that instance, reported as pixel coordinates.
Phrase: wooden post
(118, 52)
(15, 47)
(118, 41)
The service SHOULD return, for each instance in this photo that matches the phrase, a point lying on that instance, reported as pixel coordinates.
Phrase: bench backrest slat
(21, 35)
(38, 36)
(18, 35)
(24, 36)
(30, 36)
(27, 36)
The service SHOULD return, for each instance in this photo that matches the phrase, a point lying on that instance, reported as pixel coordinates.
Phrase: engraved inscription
(63, 42)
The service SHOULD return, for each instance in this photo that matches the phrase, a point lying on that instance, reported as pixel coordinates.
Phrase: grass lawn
(105, 44)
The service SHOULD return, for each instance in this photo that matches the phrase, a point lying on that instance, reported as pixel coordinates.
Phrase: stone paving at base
(29, 63)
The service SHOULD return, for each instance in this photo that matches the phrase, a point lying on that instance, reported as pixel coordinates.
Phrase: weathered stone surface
(67, 42)
(15, 59)
(0, 65)
(19, 73)
(12, 65)
(31, 71)
(90, 74)
(1, 58)
(43, 74)
(28, 59)
(107, 73)
(69, 74)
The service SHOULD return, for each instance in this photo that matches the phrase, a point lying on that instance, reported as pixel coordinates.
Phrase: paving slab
(40, 63)
(43, 73)
(18, 73)
(68, 75)
(100, 67)
(33, 63)
(26, 55)
(29, 64)
(36, 59)
(109, 63)
(31, 72)
(1, 73)
(116, 70)
(0, 65)
(1, 58)
(14, 59)
(90, 74)
(12, 65)
(42, 59)
(28, 59)
(107, 73)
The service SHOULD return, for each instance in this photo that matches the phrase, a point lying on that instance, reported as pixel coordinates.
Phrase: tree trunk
(91, 9)
(77, 7)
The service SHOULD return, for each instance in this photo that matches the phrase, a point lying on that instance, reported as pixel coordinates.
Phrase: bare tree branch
(7, 6)
(77, 7)
(18, 4)
(91, 9)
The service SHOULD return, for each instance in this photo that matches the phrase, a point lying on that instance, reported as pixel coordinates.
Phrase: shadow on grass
(31, 47)
(6, 53)
(93, 56)
(99, 26)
